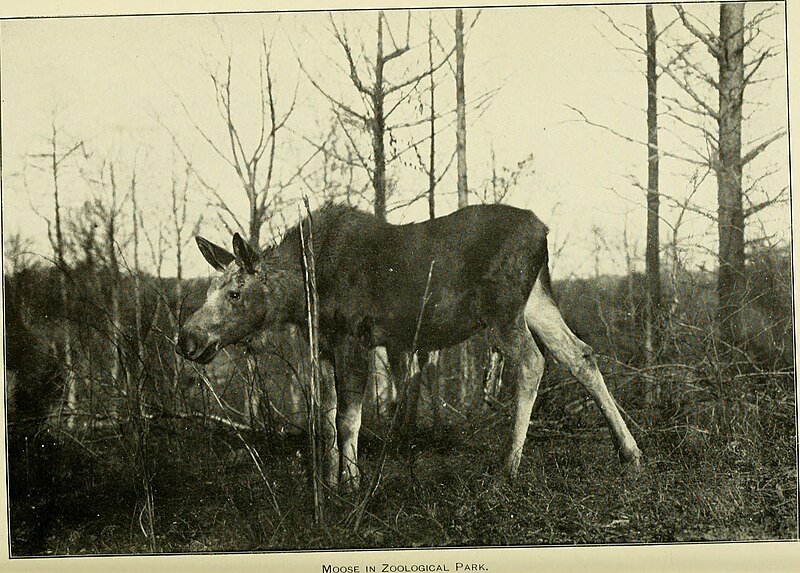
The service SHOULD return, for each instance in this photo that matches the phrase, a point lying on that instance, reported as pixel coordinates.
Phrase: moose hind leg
(523, 369)
(544, 318)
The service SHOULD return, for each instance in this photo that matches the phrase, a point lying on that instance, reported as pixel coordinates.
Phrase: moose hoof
(632, 466)
(331, 486)
(511, 467)
(349, 483)
(349, 487)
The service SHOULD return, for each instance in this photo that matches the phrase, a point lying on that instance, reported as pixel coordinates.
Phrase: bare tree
(731, 279)
(182, 232)
(652, 339)
(461, 152)
(381, 97)
(429, 369)
(137, 271)
(432, 123)
(725, 154)
(108, 207)
(55, 157)
(254, 165)
(16, 253)
(718, 126)
(653, 70)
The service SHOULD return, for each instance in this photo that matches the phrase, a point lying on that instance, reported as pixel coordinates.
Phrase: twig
(314, 418)
(76, 440)
(250, 450)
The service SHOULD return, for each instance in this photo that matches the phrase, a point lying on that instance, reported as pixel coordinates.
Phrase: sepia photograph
(322, 279)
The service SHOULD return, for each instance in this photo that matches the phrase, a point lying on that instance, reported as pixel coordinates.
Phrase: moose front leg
(330, 458)
(352, 367)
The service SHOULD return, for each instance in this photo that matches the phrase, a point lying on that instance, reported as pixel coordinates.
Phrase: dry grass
(701, 481)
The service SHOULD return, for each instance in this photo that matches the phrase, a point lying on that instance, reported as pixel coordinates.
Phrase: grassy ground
(731, 483)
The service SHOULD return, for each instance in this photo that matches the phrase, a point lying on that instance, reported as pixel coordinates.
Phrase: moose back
(483, 267)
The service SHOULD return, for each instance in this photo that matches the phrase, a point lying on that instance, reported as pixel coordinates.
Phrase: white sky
(110, 79)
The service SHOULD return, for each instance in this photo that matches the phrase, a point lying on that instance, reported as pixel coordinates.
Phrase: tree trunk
(117, 364)
(117, 338)
(432, 124)
(463, 196)
(461, 113)
(136, 365)
(428, 366)
(381, 378)
(730, 281)
(652, 264)
(252, 393)
(255, 218)
(430, 373)
(178, 271)
(178, 222)
(379, 129)
(630, 299)
(59, 248)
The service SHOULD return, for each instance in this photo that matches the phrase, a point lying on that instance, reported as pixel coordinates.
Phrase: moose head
(236, 303)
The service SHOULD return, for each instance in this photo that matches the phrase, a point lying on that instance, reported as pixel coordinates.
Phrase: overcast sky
(113, 81)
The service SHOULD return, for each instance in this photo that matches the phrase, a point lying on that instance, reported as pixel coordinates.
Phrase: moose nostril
(186, 345)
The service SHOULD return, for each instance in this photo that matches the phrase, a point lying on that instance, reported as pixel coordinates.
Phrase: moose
(483, 267)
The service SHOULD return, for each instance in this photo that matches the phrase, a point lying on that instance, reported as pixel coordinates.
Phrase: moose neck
(281, 275)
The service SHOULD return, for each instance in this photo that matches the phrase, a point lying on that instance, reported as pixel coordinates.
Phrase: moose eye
(234, 295)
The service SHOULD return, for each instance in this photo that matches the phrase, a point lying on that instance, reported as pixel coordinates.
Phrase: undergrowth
(703, 478)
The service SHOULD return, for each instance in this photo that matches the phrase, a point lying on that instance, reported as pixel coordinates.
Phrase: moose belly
(445, 321)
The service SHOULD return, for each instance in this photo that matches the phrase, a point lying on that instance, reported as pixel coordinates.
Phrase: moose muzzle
(195, 348)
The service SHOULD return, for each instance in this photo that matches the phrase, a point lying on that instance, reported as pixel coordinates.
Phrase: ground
(208, 495)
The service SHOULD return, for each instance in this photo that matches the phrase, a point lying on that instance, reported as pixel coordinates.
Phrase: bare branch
(633, 41)
(636, 141)
(199, 130)
(684, 85)
(210, 189)
(756, 207)
(391, 35)
(354, 147)
(272, 142)
(755, 65)
(710, 40)
(342, 39)
(336, 103)
(237, 148)
(416, 79)
(299, 171)
(707, 134)
(758, 149)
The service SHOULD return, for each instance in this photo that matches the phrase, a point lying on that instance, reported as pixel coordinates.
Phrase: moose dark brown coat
(488, 270)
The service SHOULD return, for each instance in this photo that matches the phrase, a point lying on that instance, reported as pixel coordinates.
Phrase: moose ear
(245, 256)
(216, 256)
